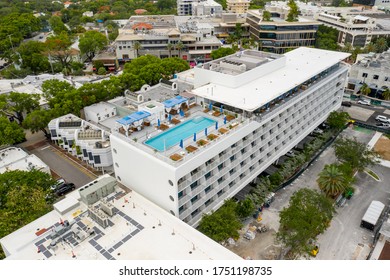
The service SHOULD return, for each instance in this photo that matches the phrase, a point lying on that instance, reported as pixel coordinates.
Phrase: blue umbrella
(205, 131)
(169, 117)
(181, 113)
(224, 120)
(210, 106)
(194, 137)
(158, 123)
(181, 143)
(216, 125)
(221, 109)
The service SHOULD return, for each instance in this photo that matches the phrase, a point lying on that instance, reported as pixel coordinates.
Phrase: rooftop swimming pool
(173, 136)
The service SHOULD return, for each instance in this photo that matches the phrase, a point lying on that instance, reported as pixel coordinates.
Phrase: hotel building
(189, 153)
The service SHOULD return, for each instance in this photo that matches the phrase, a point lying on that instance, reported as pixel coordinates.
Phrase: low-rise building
(371, 69)
(279, 35)
(206, 7)
(237, 6)
(83, 139)
(101, 221)
(13, 158)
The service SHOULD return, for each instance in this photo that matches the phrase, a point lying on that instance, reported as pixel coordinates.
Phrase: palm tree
(179, 46)
(381, 45)
(170, 48)
(137, 46)
(386, 94)
(365, 89)
(332, 181)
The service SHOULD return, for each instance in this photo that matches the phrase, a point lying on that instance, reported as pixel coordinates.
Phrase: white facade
(206, 7)
(184, 7)
(286, 111)
(99, 112)
(82, 139)
(14, 158)
(139, 230)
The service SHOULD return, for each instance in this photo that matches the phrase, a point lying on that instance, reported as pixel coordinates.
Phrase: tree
(91, 42)
(170, 48)
(179, 46)
(386, 94)
(136, 47)
(338, 120)
(39, 119)
(245, 208)
(221, 52)
(13, 105)
(381, 45)
(294, 11)
(221, 224)
(102, 71)
(327, 38)
(355, 153)
(10, 132)
(365, 89)
(332, 181)
(308, 215)
(22, 198)
(266, 16)
(58, 48)
(57, 25)
(32, 56)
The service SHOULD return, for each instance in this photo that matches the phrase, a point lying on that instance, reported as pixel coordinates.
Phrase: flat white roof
(301, 64)
(139, 231)
(13, 158)
(100, 107)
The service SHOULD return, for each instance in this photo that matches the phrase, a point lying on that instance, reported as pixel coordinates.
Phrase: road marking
(44, 148)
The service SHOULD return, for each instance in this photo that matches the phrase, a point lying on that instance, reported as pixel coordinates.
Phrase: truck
(372, 215)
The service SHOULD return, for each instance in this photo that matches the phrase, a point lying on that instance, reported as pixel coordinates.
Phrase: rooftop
(13, 158)
(261, 90)
(136, 230)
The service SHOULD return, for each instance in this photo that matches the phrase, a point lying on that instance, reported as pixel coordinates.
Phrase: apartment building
(356, 30)
(184, 7)
(83, 140)
(206, 8)
(278, 35)
(238, 6)
(243, 112)
(160, 36)
(371, 69)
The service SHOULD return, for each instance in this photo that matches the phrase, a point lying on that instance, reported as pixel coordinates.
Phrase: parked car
(65, 188)
(290, 153)
(318, 131)
(384, 125)
(364, 102)
(57, 184)
(382, 119)
(346, 103)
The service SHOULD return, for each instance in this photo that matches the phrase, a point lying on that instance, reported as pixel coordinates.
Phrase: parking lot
(344, 239)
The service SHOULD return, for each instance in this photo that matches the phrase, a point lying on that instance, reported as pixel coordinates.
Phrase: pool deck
(175, 154)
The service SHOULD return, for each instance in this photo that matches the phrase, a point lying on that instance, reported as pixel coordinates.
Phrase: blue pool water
(172, 136)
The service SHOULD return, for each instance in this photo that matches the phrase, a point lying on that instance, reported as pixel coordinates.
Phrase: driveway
(344, 239)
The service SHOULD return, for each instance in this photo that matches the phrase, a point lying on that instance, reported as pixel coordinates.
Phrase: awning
(134, 117)
(174, 101)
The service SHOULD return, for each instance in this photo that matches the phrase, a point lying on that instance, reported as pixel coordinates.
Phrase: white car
(382, 119)
(364, 102)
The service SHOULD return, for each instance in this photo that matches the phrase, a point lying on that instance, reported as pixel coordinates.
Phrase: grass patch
(373, 174)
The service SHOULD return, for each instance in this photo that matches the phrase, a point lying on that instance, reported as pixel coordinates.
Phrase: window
(85, 154)
(180, 194)
(208, 189)
(375, 77)
(194, 185)
(208, 175)
(53, 133)
(220, 166)
(96, 159)
(90, 156)
(364, 75)
(194, 199)
(220, 193)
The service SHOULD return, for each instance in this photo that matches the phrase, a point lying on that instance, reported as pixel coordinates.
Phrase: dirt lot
(260, 248)
(382, 146)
